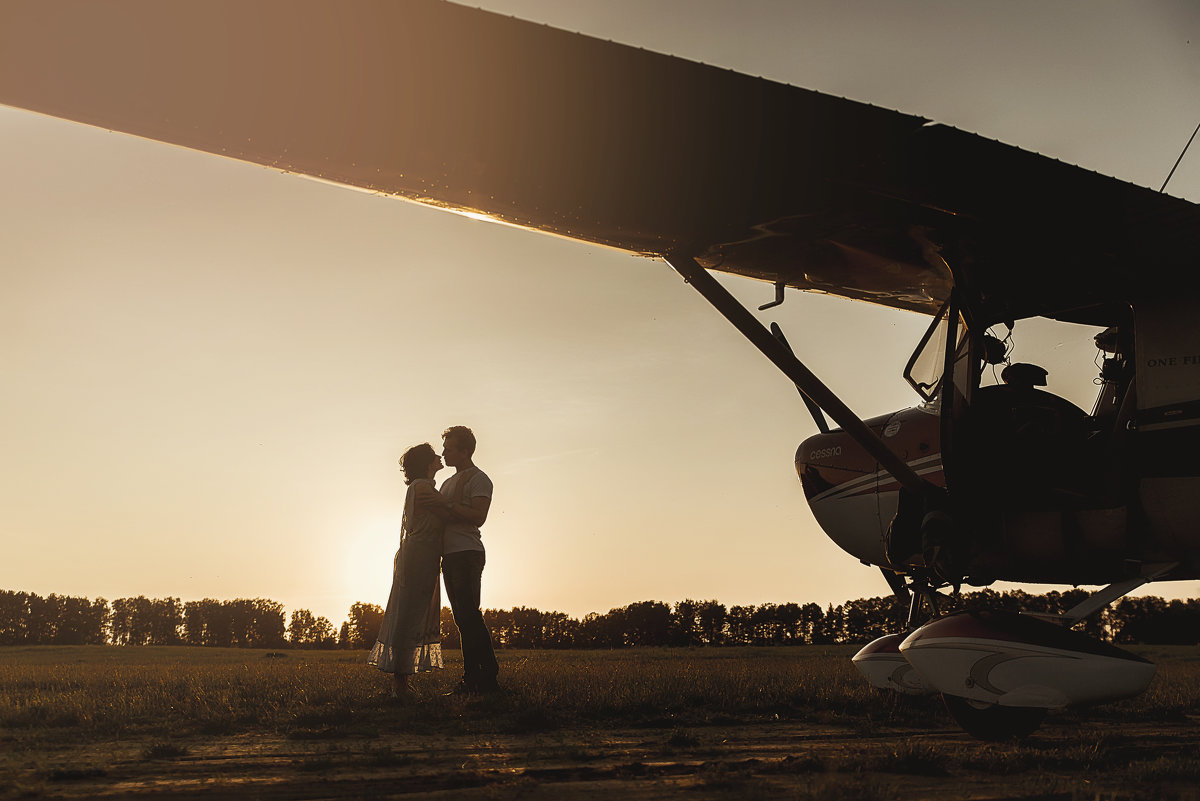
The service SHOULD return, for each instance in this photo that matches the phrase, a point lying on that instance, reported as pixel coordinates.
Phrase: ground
(636, 724)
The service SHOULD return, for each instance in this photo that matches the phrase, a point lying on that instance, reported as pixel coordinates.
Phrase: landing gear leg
(991, 721)
(923, 603)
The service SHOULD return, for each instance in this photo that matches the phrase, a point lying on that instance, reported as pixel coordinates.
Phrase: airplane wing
(559, 132)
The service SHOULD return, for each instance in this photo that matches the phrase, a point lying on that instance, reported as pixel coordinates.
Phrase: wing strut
(782, 357)
(1112, 592)
(813, 408)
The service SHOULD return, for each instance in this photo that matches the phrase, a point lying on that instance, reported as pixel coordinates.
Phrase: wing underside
(559, 132)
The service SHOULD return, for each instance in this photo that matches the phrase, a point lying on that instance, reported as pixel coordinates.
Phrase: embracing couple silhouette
(439, 533)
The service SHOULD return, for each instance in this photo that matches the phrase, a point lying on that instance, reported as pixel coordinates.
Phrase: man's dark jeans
(462, 572)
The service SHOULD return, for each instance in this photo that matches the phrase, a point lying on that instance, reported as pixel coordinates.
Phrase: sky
(210, 368)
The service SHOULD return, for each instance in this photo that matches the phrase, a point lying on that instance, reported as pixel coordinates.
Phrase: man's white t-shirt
(461, 535)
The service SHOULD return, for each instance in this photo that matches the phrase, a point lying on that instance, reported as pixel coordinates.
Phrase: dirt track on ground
(767, 760)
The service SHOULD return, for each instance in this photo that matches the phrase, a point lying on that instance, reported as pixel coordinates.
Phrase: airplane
(714, 171)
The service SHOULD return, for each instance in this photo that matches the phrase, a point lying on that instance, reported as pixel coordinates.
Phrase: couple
(438, 526)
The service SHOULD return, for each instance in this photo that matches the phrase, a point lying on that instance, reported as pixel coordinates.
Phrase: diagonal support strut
(782, 357)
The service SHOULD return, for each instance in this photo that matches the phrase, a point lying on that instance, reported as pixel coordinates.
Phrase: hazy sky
(210, 368)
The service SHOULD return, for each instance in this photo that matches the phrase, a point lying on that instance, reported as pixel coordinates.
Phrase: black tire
(993, 722)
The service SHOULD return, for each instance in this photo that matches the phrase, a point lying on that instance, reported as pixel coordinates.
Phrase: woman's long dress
(410, 639)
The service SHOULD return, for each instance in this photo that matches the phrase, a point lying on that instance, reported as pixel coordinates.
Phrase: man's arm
(474, 511)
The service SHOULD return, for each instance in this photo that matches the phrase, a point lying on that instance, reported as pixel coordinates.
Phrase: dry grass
(560, 706)
(104, 691)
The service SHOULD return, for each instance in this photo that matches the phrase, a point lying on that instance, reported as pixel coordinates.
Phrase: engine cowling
(886, 668)
(1009, 659)
(852, 498)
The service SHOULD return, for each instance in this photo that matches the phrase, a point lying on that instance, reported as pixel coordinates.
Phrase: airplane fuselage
(1015, 517)
(851, 496)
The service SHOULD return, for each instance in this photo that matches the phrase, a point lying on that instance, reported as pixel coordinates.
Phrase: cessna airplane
(712, 170)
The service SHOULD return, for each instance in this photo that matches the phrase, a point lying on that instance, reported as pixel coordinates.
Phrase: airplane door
(962, 369)
(944, 369)
(1167, 435)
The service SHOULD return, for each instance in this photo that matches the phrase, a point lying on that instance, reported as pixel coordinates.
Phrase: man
(468, 496)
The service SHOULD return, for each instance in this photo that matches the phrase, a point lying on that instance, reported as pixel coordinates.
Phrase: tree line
(29, 619)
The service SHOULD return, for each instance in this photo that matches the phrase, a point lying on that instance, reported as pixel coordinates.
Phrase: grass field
(642, 723)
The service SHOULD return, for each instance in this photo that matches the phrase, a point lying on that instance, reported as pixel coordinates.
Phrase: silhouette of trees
(710, 622)
(78, 621)
(775, 624)
(322, 634)
(14, 618)
(519, 627)
(523, 627)
(599, 631)
(866, 619)
(308, 631)
(641, 623)
(300, 627)
(27, 618)
(810, 625)
(685, 626)
(43, 623)
(739, 624)
(698, 623)
(1153, 620)
(241, 623)
(562, 630)
(647, 623)
(145, 621)
(363, 625)
(264, 623)
(84, 622)
(204, 623)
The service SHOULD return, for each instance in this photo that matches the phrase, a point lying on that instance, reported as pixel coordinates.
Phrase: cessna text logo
(825, 453)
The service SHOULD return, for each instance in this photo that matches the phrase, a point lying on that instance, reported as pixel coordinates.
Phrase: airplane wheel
(992, 721)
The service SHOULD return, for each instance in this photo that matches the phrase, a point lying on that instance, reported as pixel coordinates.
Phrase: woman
(410, 639)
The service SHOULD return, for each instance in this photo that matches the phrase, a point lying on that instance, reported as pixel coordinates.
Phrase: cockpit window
(924, 369)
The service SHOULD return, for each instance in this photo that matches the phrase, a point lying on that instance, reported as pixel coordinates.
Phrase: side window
(924, 369)
(966, 361)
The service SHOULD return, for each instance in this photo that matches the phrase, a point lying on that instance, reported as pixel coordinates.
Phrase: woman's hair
(416, 461)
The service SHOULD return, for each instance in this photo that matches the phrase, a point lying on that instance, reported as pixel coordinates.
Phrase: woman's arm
(427, 499)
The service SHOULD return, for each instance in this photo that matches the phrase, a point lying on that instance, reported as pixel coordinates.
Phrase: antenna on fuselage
(1185, 150)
